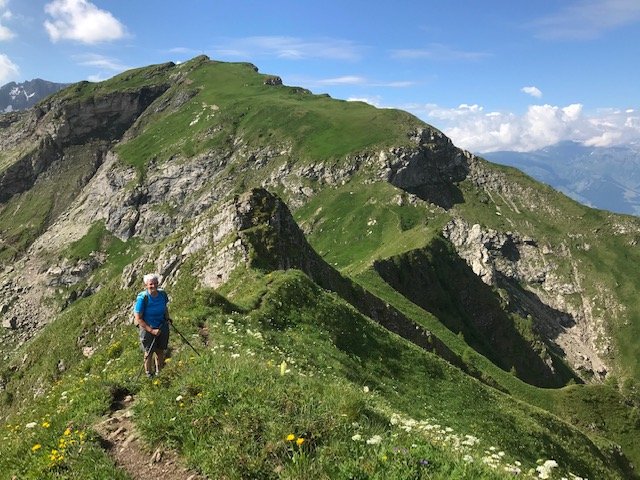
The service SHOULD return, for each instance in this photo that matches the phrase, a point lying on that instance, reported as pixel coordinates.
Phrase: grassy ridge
(350, 226)
(301, 385)
(231, 101)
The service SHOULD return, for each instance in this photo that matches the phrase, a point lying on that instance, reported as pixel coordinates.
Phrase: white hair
(151, 276)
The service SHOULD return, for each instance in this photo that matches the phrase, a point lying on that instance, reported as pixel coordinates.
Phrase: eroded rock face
(529, 274)
(53, 126)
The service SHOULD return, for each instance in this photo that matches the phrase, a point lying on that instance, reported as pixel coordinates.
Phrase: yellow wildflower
(36, 447)
(291, 437)
(300, 441)
(46, 424)
(67, 431)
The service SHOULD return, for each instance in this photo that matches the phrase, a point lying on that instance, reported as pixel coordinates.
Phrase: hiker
(152, 316)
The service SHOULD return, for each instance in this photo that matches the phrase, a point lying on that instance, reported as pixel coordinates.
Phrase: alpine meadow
(353, 296)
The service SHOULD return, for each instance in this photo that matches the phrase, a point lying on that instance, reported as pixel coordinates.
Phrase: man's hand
(155, 332)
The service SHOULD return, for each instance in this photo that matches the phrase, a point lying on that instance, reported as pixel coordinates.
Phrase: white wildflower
(544, 470)
(31, 425)
(513, 469)
(376, 439)
(357, 437)
(179, 398)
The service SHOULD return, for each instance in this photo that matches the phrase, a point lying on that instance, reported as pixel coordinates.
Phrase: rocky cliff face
(42, 135)
(530, 273)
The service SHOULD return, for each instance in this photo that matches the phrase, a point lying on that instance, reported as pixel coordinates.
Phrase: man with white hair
(152, 316)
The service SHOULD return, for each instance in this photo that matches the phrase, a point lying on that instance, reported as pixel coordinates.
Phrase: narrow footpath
(121, 440)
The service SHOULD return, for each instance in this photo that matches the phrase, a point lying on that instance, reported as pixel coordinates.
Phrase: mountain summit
(366, 299)
(20, 96)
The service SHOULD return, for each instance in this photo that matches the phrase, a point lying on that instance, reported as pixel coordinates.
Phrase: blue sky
(493, 75)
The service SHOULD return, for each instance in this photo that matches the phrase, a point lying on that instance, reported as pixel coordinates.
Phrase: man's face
(152, 285)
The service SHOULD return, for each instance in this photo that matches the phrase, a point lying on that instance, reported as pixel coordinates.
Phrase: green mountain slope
(401, 308)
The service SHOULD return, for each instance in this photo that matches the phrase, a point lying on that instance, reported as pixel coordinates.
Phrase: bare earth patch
(122, 442)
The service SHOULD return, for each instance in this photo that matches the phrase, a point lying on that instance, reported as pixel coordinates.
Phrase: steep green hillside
(220, 102)
(601, 246)
(301, 362)
(433, 315)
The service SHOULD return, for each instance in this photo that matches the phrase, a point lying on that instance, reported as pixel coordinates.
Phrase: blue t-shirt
(153, 312)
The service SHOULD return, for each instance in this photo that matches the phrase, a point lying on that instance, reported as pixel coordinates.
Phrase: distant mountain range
(20, 96)
(606, 178)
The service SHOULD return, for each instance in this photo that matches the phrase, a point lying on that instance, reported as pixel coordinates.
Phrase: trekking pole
(184, 339)
(146, 355)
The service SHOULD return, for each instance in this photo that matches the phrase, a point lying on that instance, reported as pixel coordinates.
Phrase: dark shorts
(161, 343)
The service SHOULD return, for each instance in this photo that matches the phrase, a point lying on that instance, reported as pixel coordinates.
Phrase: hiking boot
(149, 374)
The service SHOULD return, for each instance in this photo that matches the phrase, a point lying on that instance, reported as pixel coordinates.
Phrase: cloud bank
(471, 128)
(81, 21)
(8, 69)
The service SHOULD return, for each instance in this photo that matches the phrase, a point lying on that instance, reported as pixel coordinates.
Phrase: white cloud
(396, 84)
(438, 51)
(290, 48)
(541, 125)
(351, 80)
(604, 140)
(449, 114)
(533, 91)
(97, 78)
(184, 50)
(5, 32)
(81, 21)
(587, 19)
(345, 80)
(8, 69)
(100, 61)
(376, 101)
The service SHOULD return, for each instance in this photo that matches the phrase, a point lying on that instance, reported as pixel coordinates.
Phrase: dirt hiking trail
(121, 440)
